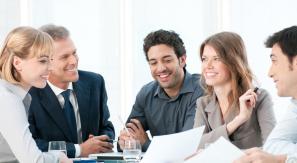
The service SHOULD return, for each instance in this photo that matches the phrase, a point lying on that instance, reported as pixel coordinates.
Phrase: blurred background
(109, 35)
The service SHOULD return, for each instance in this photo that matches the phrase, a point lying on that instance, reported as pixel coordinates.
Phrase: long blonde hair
(232, 52)
(23, 42)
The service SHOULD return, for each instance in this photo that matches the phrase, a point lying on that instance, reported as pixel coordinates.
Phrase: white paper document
(221, 151)
(173, 148)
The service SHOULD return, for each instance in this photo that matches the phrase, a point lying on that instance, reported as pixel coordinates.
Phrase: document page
(221, 151)
(173, 148)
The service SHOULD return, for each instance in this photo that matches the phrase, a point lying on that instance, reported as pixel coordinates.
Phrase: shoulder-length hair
(23, 42)
(231, 50)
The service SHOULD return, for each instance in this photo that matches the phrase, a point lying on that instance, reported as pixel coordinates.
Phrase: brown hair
(232, 52)
(23, 42)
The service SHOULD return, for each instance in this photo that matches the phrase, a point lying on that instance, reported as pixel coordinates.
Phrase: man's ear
(182, 60)
(17, 63)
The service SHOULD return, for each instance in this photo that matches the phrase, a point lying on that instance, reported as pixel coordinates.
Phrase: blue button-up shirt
(283, 137)
(162, 115)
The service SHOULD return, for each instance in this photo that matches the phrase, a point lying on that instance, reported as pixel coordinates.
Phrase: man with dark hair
(280, 146)
(73, 105)
(168, 104)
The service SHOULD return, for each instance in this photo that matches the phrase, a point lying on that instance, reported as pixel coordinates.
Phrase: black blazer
(48, 122)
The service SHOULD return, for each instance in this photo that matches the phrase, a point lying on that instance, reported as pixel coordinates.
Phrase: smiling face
(165, 67)
(33, 71)
(214, 70)
(283, 73)
(64, 63)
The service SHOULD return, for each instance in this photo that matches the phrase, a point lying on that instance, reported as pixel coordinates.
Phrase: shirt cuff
(146, 145)
(77, 150)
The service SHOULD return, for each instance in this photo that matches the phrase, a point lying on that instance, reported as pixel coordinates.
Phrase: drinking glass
(57, 146)
(132, 151)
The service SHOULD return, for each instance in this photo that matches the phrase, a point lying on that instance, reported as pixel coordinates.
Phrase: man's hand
(124, 135)
(137, 131)
(95, 144)
(256, 155)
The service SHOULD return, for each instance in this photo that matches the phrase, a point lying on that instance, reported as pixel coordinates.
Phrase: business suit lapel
(52, 106)
(213, 113)
(82, 92)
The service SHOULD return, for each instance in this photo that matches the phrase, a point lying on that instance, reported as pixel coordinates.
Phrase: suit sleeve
(106, 127)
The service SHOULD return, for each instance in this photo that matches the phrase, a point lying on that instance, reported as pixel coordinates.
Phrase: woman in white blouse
(24, 62)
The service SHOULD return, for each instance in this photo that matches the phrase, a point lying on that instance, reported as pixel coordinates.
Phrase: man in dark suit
(73, 105)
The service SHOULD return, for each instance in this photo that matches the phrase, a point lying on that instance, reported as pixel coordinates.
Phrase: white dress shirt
(283, 137)
(73, 101)
(16, 142)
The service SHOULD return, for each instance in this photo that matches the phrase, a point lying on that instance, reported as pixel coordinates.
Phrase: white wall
(109, 34)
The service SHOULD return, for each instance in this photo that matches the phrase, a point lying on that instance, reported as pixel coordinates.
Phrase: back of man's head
(56, 32)
(169, 38)
(287, 41)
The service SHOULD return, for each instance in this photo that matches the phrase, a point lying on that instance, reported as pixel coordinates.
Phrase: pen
(255, 90)
(122, 122)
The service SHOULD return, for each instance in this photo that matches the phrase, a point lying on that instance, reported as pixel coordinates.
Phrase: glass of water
(57, 146)
(132, 151)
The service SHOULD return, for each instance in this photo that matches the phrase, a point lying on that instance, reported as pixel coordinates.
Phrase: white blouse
(16, 142)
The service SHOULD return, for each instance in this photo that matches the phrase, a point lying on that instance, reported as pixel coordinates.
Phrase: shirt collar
(15, 89)
(187, 86)
(58, 90)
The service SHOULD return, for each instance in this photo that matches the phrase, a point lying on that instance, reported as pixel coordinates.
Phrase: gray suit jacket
(252, 133)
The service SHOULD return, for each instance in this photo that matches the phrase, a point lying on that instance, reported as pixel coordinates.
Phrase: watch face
(291, 159)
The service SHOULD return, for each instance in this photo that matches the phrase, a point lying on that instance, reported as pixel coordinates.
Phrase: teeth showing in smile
(71, 70)
(163, 75)
(210, 74)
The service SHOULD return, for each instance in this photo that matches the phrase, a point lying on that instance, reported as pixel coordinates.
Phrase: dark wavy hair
(169, 38)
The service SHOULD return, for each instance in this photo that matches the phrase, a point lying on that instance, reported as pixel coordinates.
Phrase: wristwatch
(291, 159)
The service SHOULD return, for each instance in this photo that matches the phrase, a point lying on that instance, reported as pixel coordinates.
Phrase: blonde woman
(232, 107)
(24, 62)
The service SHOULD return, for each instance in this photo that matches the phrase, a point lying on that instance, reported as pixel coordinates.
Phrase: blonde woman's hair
(231, 50)
(23, 42)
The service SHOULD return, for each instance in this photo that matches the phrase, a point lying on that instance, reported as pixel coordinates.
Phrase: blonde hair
(23, 42)
(231, 50)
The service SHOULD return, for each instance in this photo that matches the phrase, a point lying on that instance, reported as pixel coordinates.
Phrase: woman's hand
(247, 102)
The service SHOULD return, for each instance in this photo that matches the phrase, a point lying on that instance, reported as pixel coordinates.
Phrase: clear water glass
(57, 146)
(132, 151)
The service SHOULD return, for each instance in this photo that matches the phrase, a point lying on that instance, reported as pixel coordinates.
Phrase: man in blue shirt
(168, 104)
(280, 146)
